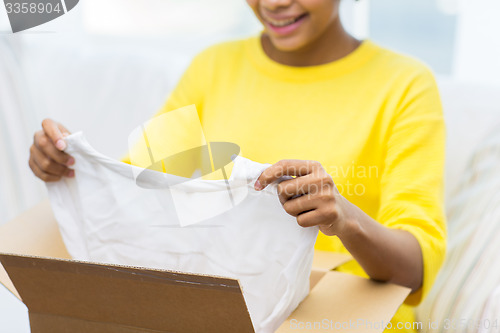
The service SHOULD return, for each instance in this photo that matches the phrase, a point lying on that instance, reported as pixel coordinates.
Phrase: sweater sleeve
(412, 175)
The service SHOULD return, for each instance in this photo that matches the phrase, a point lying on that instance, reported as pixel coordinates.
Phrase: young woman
(359, 127)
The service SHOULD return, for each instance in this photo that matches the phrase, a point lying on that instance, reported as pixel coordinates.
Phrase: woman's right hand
(48, 161)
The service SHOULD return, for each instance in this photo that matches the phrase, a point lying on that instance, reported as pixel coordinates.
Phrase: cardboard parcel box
(64, 295)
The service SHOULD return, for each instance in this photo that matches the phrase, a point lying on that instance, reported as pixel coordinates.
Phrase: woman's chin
(288, 44)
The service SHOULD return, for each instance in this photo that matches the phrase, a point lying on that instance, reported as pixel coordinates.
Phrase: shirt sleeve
(412, 175)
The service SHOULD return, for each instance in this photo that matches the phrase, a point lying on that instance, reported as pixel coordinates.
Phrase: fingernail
(258, 186)
(60, 144)
(71, 174)
(70, 162)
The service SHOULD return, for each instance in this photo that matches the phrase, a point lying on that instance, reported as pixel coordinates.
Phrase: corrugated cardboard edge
(115, 294)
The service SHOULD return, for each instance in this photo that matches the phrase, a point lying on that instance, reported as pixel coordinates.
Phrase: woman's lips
(284, 26)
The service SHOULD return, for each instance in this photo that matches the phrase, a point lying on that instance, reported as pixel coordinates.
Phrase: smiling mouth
(285, 22)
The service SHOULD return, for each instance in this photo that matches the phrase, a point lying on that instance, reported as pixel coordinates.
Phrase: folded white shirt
(197, 226)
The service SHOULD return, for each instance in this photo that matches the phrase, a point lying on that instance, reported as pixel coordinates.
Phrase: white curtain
(19, 189)
(478, 45)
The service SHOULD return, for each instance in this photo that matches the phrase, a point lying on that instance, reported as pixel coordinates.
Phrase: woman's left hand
(311, 196)
(385, 254)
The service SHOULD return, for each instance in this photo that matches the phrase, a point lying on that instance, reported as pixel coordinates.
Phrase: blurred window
(424, 28)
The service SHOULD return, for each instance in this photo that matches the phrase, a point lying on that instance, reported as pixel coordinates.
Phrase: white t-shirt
(196, 226)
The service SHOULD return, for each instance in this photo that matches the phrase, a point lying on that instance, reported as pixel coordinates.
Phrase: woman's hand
(311, 197)
(47, 159)
(385, 254)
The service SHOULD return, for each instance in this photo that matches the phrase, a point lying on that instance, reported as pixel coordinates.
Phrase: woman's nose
(275, 4)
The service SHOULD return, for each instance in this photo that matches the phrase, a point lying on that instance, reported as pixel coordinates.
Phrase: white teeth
(282, 23)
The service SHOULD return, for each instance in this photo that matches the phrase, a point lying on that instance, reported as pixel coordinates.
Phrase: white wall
(4, 21)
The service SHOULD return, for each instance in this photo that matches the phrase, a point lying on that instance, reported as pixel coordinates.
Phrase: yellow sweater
(373, 119)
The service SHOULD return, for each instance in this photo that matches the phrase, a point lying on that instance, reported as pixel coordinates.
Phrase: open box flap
(358, 304)
(34, 232)
(67, 292)
(325, 260)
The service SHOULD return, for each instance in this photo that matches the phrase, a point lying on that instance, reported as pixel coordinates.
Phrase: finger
(285, 168)
(300, 205)
(309, 219)
(65, 132)
(42, 175)
(46, 164)
(44, 144)
(53, 131)
(307, 184)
